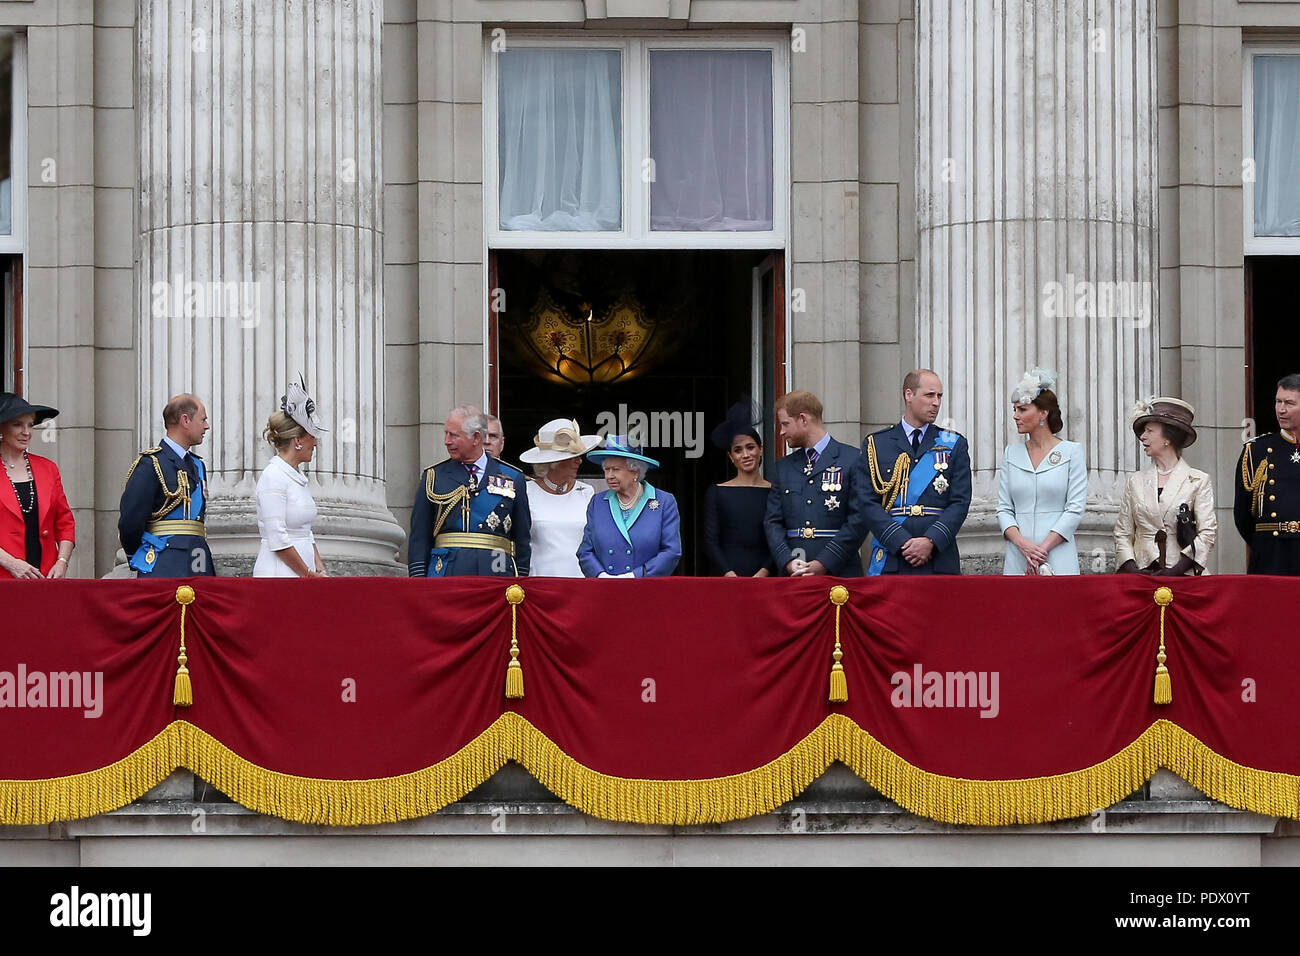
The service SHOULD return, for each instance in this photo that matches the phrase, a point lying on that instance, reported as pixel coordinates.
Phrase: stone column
(261, 244)
(1036, 215)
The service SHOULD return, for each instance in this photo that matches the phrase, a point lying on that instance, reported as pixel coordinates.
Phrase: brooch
(1054, 458)
(654, 504)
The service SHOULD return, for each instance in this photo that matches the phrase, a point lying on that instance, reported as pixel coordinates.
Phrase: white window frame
(635, 124)
(1260, 245)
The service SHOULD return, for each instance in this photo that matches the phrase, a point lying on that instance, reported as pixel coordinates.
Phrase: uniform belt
(176, 526)
(470, 539)
(811, 533)
(914, 511)
(1279, 527)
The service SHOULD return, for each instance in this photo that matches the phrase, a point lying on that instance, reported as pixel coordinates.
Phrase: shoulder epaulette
(140, 457)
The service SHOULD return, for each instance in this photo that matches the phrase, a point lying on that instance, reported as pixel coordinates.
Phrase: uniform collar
(181, 453)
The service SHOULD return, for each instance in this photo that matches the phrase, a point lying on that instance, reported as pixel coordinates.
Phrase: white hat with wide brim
(558, 440)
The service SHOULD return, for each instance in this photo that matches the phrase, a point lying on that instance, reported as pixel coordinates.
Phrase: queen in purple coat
(633, 530)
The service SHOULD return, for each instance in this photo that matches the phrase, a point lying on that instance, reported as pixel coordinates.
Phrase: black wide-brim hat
(12, 406)
(1167, 411)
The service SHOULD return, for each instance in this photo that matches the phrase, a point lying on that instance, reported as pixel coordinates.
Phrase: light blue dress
(1039, 500)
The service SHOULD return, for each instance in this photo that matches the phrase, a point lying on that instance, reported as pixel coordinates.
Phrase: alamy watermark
(82, 690)
(922, 688)
(179, 299)
(1083, 298)
(655, 429)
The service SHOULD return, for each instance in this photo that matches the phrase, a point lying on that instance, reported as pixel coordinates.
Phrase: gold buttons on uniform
(1273, 515)
(1272, 497)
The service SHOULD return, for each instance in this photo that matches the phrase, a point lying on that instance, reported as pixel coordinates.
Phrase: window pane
(560, 139)
(1277, 145)
(711, 139)
(6, 131)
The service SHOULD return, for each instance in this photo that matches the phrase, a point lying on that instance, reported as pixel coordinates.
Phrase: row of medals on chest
(832, 478)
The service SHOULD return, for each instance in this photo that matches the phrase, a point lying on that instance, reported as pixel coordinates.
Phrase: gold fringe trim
(663, 802)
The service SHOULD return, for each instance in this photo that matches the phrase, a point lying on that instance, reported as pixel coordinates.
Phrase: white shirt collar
(291, 471)
(180, 452)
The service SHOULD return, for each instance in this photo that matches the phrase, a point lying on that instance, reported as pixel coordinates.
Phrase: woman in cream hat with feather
(557, 500)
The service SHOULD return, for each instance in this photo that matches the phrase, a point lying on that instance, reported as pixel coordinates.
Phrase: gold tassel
(839, 682)
(183, 693)
(514, 670)
(1164, 692)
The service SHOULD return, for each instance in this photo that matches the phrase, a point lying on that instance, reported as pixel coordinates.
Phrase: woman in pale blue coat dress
(1043, 485)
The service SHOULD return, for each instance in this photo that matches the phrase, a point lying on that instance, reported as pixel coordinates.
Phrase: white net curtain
(560, 140)
(711, 140)
(1277, 145)
(560, 128)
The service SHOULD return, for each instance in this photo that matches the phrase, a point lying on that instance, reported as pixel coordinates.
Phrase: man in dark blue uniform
(161, 515)
(920, 486)
(471, 511)
(1266, 507)
(815, 521)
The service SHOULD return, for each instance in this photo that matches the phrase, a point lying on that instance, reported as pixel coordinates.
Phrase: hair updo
(281, 429)
(1046, 400)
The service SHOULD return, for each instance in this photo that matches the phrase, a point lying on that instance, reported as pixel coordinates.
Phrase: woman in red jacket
(37, 532)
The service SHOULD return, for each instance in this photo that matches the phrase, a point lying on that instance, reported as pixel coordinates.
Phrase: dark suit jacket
(456, 562)
(942, 528)
(185, 555)
(54, 516)
(797, 501)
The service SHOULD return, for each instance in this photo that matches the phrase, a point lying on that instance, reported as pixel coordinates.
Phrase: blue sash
(918, 480)
(155, 544)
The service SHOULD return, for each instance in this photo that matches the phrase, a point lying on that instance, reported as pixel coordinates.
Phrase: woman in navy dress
(733, 510)
(633, 530)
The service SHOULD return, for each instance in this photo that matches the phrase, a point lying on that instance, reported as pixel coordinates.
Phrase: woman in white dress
(285, 507)
(1043, 485)
(557, 501)
(1166, 523)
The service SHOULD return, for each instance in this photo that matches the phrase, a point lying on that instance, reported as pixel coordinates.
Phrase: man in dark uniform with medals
(920, 486)
(815, 521)
(161, 515)
(471, 511)
(1266, 508)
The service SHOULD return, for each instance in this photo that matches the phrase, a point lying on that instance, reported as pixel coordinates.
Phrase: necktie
(916, 443)
(812, 457)
(473, 475)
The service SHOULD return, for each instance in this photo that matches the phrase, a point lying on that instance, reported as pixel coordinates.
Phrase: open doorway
(663, 341)
(1271, 323)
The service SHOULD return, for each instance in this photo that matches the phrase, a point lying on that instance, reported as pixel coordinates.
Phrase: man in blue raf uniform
(1266, 508)
(161, 524)
(920, 486)
(815, 521)
(471, 511)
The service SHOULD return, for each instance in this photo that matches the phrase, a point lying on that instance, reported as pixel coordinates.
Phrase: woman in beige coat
(1166, 522)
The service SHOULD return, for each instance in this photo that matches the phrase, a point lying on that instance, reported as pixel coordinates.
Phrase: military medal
(149, 556)
(505, 525)
(941, 465)
(492, 521)
(832, 503)
(832, 479)
(808, 469)
(1295, 456)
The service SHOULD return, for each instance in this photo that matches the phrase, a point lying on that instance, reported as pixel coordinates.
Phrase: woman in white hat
(1166, 523)
(557, 500)
(285, 507)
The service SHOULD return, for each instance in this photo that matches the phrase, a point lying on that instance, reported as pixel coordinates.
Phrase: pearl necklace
(25, 508)
(557, 489)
